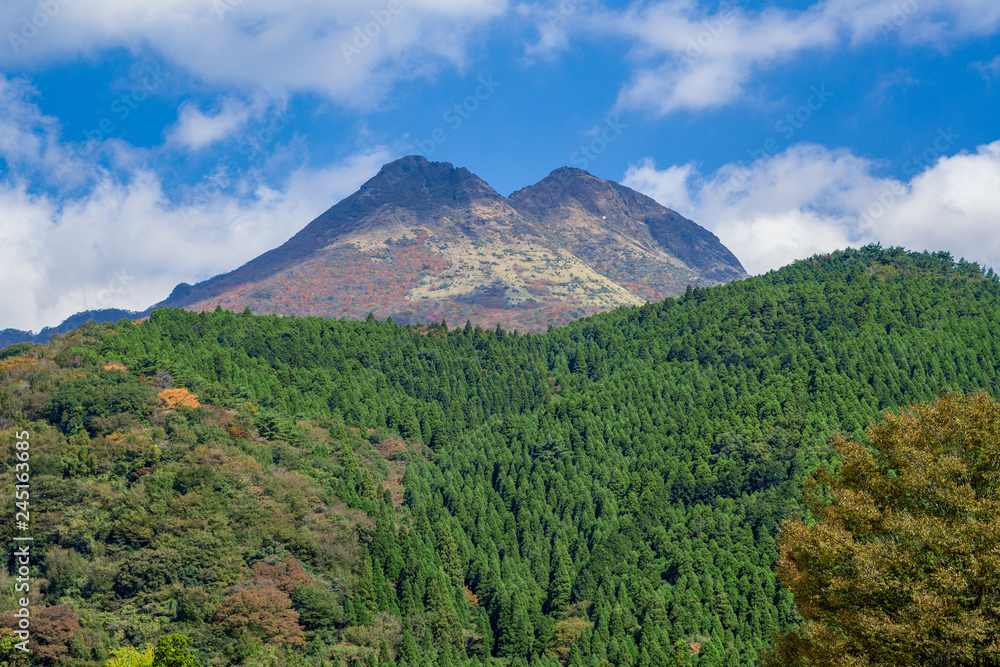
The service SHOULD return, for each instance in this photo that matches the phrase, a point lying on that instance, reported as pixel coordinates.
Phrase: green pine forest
(331, 492)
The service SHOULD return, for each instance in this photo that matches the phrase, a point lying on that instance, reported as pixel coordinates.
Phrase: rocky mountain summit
(425, 241)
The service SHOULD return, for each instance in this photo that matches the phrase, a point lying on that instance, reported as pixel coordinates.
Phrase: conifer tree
(561, 586)
(514, 635)
(450, 559)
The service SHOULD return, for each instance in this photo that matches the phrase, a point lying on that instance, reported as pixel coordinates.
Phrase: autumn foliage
(52, 631)
(14, 362)
(265, 613)
(902, 566)
(286, 576)
(179, 397)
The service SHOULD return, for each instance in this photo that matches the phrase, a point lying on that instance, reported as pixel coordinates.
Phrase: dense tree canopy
(605, 493)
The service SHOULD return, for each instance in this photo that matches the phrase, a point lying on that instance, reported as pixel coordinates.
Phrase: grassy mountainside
(605, 493)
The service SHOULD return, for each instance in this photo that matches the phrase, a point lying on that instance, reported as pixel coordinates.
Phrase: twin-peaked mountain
(425, 241)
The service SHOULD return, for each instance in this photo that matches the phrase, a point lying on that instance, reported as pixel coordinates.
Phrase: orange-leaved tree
(179, 396)
(900, 562)
(266, 613)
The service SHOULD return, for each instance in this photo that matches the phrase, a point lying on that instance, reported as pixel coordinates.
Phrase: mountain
(12, 336)
(423, 241)
(311, 491)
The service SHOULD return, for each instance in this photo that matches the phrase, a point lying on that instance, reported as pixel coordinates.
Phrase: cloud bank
(351, 51)
(809, 199)
(102, 237)
(688, 58)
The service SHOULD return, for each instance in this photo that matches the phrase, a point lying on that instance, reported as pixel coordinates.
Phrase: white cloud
(351, 51)
(552, 20)
(125, 245)
(687, 58)
(690, 59)
(29, 140)
(102, 240)
(990, 70)
(195, 130)
(809, 199)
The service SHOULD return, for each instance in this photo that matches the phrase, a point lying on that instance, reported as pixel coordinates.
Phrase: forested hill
(603, 494)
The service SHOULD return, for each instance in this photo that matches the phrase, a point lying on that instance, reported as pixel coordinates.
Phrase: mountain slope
(422, 241)
(12, 336)
(466, 497)
(582, 209)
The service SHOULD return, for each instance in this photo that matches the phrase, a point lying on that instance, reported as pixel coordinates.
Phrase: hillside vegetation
(305, 491)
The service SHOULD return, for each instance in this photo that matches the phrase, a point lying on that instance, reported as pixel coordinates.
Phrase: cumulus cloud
(553, 21)
(689, 58)
(351, 51)
(105, 240)
(809, 199)
(126, 245)
(29, 140)
(195, 129)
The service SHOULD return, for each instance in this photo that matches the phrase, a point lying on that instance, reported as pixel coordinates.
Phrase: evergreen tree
(514, 634)
(561, 586)
(450, 559)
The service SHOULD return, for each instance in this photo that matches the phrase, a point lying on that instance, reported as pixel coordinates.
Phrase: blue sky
(145, 144)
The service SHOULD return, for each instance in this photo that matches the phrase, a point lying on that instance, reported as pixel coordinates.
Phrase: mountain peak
(565, 186)
(416, 181)
(422, 240)
(579, 205)
(569, 172)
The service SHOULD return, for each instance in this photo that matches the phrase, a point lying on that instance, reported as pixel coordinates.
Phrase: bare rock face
(425, 241)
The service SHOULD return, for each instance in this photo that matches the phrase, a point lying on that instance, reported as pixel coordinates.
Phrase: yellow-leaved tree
(900, 562)
(129, 656)
(179, 396)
